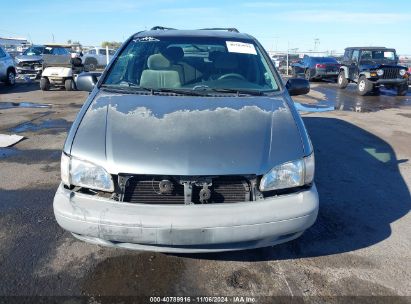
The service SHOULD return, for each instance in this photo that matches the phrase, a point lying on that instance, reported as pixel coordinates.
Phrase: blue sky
(277, 24)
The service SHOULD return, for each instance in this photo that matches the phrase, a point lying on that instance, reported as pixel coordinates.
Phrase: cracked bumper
(192, 228)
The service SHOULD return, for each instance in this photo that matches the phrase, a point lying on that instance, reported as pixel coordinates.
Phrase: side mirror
(86, 81)
(297, 86)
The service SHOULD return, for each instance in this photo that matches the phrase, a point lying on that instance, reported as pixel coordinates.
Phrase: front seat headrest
(173, 53)
(158, 62)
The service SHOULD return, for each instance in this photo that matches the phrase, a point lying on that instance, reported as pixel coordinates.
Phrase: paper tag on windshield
(241, 47)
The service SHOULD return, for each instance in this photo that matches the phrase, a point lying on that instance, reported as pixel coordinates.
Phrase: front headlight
(380, 72)
(288, 175)
(402, 72)
(85, 174)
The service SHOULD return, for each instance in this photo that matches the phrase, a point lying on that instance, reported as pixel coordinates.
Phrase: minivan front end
(189, 142)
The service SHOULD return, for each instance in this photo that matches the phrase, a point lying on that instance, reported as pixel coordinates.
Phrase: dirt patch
(243, 279)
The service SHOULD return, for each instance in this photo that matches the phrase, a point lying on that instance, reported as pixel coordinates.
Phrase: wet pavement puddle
(14, 105)
(58, 124)
(8, 152)
(336, 99)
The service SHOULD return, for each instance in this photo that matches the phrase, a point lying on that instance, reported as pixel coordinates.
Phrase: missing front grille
(170, 190)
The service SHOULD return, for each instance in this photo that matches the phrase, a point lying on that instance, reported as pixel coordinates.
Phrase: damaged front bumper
(186, 228)
(25, 73)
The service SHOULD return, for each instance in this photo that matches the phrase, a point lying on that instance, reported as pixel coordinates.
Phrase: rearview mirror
(297, 86)
(87, 80)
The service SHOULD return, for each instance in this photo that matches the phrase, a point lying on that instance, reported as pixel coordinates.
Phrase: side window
(102, 52)
(92, 52)
(111, 52)
(2, 54)
(366, 55)
(346, 55)
(355, 55)
(64, 51)
(57, 51)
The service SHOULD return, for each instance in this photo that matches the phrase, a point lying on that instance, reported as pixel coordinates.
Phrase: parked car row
(30, 63)
(369, 68)
(53, 64)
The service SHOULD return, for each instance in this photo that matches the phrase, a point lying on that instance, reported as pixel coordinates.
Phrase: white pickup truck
(96, 57)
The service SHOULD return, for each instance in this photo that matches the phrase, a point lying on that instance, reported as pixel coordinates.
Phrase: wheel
(11, 78)
(307, 74)
(364, 86)
(44, 84)
(342, 81)
(69, 84)
(402, 89)
(90, 64)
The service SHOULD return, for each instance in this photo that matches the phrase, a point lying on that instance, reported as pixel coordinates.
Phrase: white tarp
(9, 140)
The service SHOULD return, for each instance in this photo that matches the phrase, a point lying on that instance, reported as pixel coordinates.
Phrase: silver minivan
(188, 142)
(7, 68)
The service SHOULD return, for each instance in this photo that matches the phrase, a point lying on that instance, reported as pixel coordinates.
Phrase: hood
(26, 58)
(168, 135)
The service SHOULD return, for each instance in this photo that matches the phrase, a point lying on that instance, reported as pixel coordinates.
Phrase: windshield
(192, 63)
(378, 55)
(34, 51)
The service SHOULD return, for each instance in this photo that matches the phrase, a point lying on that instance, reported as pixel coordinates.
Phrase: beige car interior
(168, 70)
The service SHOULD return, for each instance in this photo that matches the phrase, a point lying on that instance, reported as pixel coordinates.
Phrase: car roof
(48, 45)
(369, 48)
(220, 33)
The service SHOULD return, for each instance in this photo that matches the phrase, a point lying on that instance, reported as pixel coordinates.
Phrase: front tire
(364, 86)
(402, 89)
(44, 84)
(11, 78)
(342, 81)
(69, 84)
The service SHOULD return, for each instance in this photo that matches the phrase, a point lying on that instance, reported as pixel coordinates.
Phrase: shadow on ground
(361, 193)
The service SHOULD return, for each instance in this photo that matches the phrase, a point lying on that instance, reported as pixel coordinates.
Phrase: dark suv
(371, 67)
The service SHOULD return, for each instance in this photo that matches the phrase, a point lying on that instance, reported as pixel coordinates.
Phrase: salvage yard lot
(360, 244)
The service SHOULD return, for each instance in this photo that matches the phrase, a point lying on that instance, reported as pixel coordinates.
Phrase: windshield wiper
(228, 90)
(238, 91)
(132, 87)
(177, 91)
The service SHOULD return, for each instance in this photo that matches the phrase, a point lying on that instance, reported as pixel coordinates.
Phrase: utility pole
(275, 43)
(316, 43)
(288, 50)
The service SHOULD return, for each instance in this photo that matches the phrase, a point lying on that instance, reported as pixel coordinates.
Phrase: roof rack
(161, 28)
(230, 29)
